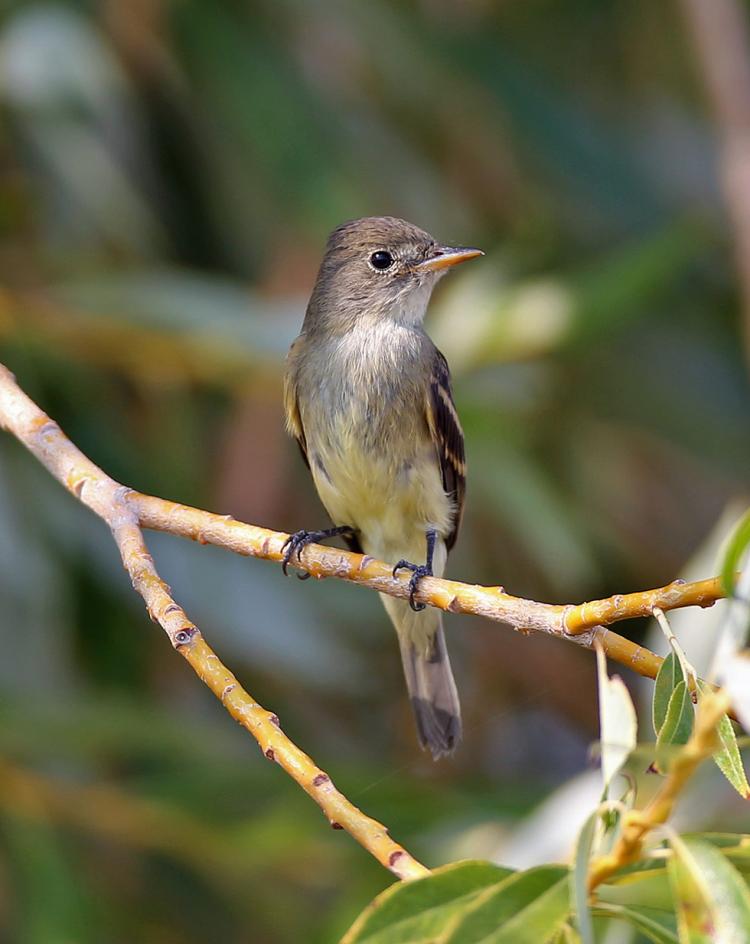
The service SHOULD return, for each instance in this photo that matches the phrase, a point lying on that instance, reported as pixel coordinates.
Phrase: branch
(579, 619)
(582, 624)
(126, 512)
(637, 824)
(109, 500)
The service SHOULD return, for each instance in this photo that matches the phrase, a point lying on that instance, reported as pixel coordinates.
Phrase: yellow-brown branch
(580, 619)
(582, 624)
(637, 824)
(108, 499)
(126, 512)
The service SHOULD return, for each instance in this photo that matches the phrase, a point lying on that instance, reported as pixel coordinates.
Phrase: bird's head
(380, 267)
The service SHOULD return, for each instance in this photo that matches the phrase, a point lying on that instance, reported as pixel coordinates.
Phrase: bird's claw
(417, 572)
(294, 544)
(292, 548)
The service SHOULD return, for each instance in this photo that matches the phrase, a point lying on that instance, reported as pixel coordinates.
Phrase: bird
(368, 398)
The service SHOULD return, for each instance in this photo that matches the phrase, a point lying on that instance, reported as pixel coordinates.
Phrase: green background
(169, 172)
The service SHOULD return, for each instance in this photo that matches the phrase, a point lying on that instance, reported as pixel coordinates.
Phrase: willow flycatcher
(368, 398)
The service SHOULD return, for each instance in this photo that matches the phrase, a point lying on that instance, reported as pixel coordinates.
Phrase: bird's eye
(381, 260)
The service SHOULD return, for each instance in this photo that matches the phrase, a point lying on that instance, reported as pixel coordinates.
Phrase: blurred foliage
(168, 173)
(615, 887)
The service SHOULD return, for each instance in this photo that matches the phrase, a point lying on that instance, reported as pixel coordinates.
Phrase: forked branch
(109, 500)
(637, 824)
(582, 624)
(126, 512)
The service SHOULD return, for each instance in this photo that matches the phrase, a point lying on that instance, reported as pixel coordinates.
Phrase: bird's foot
(294, 544)
(417, 572)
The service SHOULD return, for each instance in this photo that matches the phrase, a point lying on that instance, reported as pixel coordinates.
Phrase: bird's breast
(367, 385)
(371, 455)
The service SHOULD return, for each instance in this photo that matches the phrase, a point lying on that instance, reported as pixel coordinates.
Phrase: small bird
(368, 398)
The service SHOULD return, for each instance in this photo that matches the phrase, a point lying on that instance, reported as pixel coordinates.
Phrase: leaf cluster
(677, 889)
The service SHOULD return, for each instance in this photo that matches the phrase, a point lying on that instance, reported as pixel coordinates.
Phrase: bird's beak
(445, 256)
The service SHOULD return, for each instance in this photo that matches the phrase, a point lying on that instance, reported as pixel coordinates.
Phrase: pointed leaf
(656, 925)
(648, 873)
(669, 675)
(579, 893)
(712, 901)
(617, 721)
(567, 935)
(527, 908)
(413, 912)
(723, 841)
(738, 544)
(728, 759)
(735, 847)
(677, 727)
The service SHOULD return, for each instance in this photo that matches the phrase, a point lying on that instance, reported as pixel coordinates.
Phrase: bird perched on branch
(368, 398)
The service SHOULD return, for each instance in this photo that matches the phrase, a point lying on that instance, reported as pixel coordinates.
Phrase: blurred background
(169, 172)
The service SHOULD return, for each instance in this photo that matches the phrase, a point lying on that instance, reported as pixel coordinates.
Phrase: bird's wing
(448, 437)
(291, 409)
(295, 428)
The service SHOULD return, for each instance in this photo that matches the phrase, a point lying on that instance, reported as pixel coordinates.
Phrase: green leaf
(723, 840)
(658, 926)
(712, 901)
(669, 675)
(527, 908)
(677, 727)
(735, 847)
(579, 893)
(567, 935)
(413, 912)
(647, 873)
(740, 859)
(728, 759)
(736, 547)
(617, 721)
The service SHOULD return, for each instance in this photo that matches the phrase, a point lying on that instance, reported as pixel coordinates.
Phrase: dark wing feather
(291, 409)
(446, 432)
(303, 449)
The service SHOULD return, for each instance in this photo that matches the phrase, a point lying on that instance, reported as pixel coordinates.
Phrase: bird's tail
(429, 678)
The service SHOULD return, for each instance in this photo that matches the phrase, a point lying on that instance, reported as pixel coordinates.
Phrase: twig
(108, 499)
(582, 624)
(451, 595)
(580, 619)
(637, 824)
(688, 671)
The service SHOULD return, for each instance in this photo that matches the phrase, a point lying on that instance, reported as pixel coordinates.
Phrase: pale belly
(392, 503)
(371, 456)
